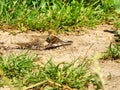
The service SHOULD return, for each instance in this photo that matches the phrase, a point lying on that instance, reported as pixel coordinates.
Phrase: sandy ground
(85, 43)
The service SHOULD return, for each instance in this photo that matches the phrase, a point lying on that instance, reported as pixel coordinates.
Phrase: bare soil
(85, 43)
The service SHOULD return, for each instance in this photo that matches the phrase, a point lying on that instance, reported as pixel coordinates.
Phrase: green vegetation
(117, 24)
(113, 52)
(117, 37)
(22, 72)
(55, 14)
(117, 6)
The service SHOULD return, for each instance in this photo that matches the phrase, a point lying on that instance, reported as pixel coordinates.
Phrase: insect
(52, 39)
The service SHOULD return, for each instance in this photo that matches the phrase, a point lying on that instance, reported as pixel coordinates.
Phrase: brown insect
(52, 39)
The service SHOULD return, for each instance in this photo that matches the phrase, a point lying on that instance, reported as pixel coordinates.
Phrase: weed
(117, 24)
(51, 14)
(117, 37)
(17, 66)
(117, 6)
(23, 72)
(113, 52)
(4, 80)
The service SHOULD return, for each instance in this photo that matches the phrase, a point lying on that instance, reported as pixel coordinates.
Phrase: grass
(58, 15)
(113, 52)
(117, 24)
(23, 73)
(117, 6)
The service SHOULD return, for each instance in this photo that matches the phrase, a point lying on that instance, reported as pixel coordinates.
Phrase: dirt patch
(111, 74)
(35, 42)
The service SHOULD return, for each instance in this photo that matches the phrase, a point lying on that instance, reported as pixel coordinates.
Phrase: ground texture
(84, 44)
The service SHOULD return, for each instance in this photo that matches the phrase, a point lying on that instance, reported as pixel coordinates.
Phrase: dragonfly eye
(48, 39)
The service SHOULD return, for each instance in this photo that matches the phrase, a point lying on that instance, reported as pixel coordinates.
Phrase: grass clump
(23, 72)
(113, 52)
(117, 25)
(52, 14)
(16, 66)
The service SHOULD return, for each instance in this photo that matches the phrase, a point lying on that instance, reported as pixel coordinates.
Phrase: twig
(37, 84)
(57, 84)
(85, 56)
